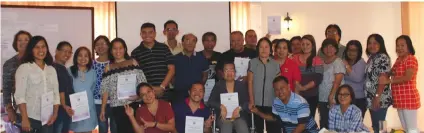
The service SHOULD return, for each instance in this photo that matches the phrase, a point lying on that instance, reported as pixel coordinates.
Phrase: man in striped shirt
(155, 59)
(290, 109)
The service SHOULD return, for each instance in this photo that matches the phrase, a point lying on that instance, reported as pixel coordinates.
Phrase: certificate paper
(208, 88)
(274, 25)
(194, 124)
(126, 86)
(79, 103)
(230, 101)
(241, 65)
(46, 107)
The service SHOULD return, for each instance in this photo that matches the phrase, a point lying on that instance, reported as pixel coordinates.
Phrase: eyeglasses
(65, 51)
(229, 70)
(331, 32)
(344, 95)
(172, 29)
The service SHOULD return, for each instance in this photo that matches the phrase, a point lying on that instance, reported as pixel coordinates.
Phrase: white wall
(356, 19)
(192, 17)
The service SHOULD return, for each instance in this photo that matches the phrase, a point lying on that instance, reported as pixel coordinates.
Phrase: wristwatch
(163, 87)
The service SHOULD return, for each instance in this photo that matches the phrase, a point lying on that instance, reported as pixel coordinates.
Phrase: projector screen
(192, 17)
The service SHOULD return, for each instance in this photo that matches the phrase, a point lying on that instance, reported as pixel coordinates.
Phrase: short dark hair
(350, 89)
(339, 31)
(329, 41)
(63, 43)
(236, 32)
(74, 67)
(295, 38)
(269, 43)
(207, 34)
(286, 41)
(250, 30)
(408, 41)
(380, 41)
(148, 25)
(275, 41)
(184, 36)
(29, 55)
(280, 78)
(358, 45)
(15, 39)
(197, 83)
(103, 37)
(169, 22)
(141, 85)
(126, 56)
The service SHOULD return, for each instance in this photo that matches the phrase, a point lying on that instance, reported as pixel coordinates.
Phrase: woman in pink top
(311, 68)
(288, 68)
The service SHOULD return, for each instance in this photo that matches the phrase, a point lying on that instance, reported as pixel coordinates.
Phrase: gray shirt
(263, 74)
(330, 70)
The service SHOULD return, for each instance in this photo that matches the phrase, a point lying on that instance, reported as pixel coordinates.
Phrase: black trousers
(362, 104)
(271, 126)
(323, 114)
(123, 123)
(313, 104)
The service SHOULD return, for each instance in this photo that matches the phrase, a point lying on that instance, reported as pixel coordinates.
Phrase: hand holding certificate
(241, 65)
(79, 103)
(230, 101)
(194, 124)
(46, 107)
(126, 86)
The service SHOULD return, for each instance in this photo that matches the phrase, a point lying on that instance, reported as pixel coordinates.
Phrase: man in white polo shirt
(170, 30)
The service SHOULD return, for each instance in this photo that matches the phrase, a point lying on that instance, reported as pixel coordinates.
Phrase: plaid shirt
(350, 121)
(405, 94)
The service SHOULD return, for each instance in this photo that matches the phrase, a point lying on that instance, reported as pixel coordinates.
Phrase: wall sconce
(288, 21)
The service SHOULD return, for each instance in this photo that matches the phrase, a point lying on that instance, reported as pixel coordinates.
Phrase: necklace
(81, 76)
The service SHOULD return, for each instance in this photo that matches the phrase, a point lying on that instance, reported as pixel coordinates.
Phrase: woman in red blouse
(404, 84)
(154, 116)
(288, 68)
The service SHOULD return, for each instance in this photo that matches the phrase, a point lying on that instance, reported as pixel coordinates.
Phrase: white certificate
(126, 86)
(46, 107)
(241, 65)
(208, 88)
(194, 124)
(79, 103)
(274, 25)
(230, 101)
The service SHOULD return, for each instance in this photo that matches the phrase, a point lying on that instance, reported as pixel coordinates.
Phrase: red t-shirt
(163, 115)
(291, 71)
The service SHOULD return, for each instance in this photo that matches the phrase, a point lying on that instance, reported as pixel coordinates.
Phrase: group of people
(284, 84)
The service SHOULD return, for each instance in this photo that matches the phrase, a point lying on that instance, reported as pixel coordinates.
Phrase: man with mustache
(193, 106)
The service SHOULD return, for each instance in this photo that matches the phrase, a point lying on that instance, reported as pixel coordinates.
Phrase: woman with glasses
(355, 73)
(345, 116)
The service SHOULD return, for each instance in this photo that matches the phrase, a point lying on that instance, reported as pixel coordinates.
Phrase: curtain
(104, 14)
(413, 25)
(240, 16)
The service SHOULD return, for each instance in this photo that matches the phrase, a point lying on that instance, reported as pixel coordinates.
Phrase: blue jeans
(63, 121)
(376, 117)
(104, 126)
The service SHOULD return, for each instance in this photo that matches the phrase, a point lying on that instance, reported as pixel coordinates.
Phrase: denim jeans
(104, 126)
(36, 126)
(62, 123)
(376, 117)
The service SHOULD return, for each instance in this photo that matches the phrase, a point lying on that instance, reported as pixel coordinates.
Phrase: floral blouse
(376, 65)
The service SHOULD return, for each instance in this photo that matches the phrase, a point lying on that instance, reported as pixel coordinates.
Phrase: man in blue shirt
(193, 106)
(190, 67)
(289, 108)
